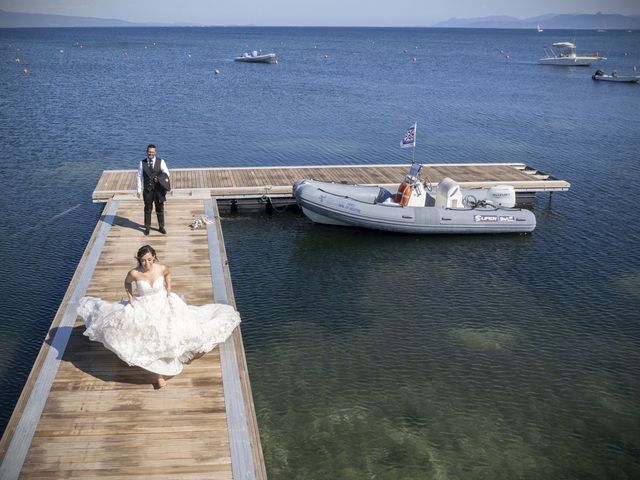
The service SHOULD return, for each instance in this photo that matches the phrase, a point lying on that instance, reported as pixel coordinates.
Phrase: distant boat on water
(567, 56)
(540, 29)
(614, 77)
(255, 57)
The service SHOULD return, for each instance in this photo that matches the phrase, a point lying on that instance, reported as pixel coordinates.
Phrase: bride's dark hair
(142, 251)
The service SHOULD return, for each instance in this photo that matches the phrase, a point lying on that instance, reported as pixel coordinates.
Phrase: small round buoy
(188, 55)
(216, 72)
(61, 50)
(25, 71)
(414, 59)
(18, 61)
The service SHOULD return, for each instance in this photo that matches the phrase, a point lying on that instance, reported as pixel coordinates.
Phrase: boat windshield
(415, 170)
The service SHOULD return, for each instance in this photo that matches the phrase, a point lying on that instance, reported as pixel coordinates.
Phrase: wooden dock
(83, 413)
(257, 182)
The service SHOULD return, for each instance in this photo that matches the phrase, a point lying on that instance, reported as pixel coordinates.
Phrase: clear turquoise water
(371, 355)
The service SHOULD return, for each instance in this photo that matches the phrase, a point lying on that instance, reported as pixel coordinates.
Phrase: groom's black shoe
(162, 230)
(146, 230)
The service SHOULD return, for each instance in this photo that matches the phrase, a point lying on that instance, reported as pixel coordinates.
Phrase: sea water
(371, 355)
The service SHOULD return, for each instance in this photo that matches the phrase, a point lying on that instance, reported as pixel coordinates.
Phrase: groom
(153, 193)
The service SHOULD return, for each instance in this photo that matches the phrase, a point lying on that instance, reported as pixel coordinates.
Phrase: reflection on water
(375, 355)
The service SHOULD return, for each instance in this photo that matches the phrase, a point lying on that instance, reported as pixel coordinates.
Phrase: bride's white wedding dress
(159, 333)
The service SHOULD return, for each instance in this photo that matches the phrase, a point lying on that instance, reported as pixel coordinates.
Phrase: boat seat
(384, 196)
(448, 194)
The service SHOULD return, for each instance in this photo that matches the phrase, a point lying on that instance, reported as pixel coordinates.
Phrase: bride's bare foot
(161, 381)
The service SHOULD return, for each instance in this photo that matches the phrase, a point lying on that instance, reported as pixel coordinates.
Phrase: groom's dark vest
(149, 173)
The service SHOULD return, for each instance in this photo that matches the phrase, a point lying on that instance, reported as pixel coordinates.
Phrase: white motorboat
(415, 207)
(255, 57)
(566, 56)
(614, 77)
(540, 29)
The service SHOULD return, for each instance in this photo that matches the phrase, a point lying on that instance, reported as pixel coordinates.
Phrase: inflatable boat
(416, 207)
(255, 57)
(614, 77)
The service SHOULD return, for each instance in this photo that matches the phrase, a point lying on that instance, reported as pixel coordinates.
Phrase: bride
(156, 329)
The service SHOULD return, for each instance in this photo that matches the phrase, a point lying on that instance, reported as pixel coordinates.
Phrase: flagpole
(415, 137)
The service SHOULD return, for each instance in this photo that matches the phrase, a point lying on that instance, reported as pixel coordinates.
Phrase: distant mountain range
(605, 21)
(40, 20)
(595, 21)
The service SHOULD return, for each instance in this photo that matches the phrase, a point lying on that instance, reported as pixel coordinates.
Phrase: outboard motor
(498, 196)
(501, 196)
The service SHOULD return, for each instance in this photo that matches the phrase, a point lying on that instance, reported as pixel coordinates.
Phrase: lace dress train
(160, 332)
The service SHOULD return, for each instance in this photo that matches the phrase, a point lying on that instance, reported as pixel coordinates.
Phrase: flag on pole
(409, 138)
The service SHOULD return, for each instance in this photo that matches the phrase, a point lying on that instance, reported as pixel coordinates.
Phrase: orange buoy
(404, 194)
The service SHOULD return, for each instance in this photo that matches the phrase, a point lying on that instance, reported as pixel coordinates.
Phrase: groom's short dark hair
(151, 145)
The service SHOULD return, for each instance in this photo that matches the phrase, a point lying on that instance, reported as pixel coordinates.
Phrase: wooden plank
(238, 181)
(239, 435)
(107, 413)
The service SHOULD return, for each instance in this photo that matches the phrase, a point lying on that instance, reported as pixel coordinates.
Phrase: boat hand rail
(481, 205)
(390, 204)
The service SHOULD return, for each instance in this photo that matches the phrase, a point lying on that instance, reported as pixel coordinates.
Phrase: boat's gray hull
(353, 205)
(270, 58)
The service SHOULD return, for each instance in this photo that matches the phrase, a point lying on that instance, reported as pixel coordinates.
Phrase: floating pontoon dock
(273, 184)
(85, 414)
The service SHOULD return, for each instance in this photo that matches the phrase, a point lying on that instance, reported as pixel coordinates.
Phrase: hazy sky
(313, 12)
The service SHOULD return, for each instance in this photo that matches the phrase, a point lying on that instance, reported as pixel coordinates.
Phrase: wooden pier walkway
(277, 181)
(83, 413)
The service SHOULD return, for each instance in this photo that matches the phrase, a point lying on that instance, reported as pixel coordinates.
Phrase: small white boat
(255, 57)
(614, 77)
(540, 29)
(415, 207)
(567, 56)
